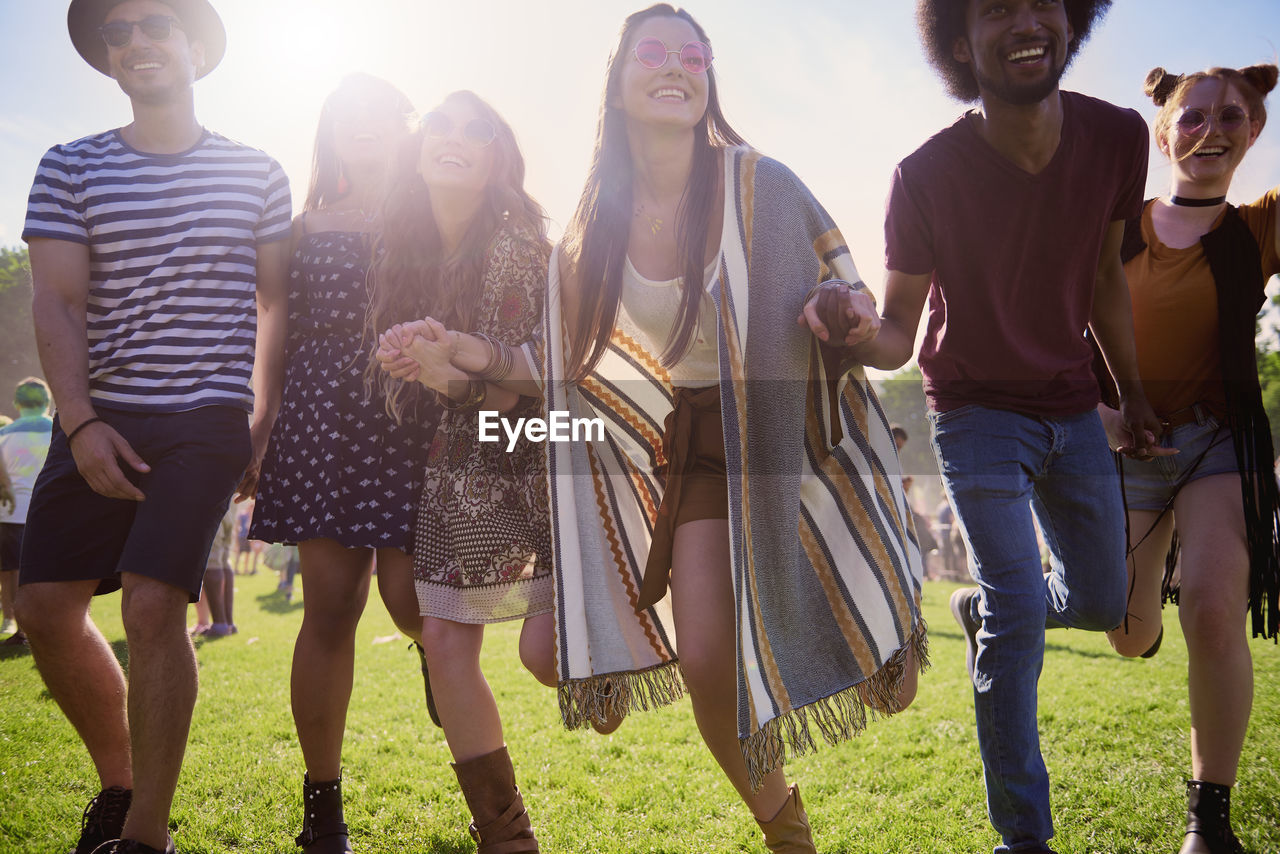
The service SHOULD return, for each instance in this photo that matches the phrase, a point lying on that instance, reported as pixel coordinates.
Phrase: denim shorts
(1205, 449)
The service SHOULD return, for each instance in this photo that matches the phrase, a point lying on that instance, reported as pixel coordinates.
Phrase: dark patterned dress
(482, 549)
(338, 466)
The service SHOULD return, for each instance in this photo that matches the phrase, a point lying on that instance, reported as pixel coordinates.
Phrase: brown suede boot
(499, 824)
(788, 831)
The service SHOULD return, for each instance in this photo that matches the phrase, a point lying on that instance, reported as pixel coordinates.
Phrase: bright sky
(836, 89)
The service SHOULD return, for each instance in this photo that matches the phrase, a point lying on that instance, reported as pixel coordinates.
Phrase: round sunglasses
(158, 28)
(477, 132)
(1193, 120)
(695, 57)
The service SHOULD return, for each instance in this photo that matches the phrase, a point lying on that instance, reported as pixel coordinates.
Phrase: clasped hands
(840, 315)
(420, 351)
(1124, 427)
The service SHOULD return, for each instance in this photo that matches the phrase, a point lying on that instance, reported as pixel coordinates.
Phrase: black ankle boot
(323, 829)
(1209, 820)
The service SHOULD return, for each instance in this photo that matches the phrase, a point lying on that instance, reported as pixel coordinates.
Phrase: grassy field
(1114, 735)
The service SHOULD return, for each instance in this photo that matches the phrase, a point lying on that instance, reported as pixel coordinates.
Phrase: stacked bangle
(475, 396)
(500, 360)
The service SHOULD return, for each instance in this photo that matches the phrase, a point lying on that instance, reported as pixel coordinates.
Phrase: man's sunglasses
(158, 28)
(477, 132)
(695, 57)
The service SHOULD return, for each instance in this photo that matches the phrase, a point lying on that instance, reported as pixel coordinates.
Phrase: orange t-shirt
(1175, 311)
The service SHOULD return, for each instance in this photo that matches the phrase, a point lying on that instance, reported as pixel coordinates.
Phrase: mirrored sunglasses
(695, 57)
(477, 132)
(1193, 119)
(158, 28)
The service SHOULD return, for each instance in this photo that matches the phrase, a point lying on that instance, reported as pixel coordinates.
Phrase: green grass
(1114, 736)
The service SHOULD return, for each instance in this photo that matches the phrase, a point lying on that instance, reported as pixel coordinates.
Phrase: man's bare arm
(60, 280)
(269, 354)
(894, 344)
(1111, 320)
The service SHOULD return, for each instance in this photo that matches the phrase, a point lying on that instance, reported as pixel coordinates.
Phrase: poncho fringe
(837, 718)
(615, 695)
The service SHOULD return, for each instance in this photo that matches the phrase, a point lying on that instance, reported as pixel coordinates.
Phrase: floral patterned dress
(482, 545)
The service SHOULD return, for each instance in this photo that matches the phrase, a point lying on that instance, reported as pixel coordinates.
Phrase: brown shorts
(694, 485)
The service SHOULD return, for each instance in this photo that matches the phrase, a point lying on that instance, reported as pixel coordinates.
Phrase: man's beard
(1020, 95)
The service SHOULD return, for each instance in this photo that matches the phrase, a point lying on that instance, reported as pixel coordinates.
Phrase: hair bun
(1261, 77)
(1160, 84)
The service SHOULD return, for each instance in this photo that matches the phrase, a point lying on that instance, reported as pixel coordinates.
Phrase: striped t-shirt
(172, 239)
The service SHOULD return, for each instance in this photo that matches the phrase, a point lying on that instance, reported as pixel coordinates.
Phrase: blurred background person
(24, 444)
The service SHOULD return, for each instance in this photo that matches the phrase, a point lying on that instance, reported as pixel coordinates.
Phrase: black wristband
(83, 424)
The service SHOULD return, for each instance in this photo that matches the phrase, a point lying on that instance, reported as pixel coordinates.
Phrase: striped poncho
(826, 569)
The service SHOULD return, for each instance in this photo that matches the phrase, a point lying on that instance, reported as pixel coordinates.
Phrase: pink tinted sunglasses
(695, 57)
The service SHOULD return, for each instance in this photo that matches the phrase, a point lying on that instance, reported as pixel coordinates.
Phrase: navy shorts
(10, 546)
(74, 534)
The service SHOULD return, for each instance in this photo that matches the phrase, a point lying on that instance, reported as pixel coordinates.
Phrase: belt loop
(1201, 413)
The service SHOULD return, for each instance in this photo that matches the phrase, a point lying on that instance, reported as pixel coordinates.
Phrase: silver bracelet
(501, 359)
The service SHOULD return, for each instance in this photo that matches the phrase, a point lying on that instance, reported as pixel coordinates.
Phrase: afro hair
(941, 22)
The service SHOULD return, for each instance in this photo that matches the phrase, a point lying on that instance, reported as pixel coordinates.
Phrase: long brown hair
(595, 241)
(327, 182)
(412, 278)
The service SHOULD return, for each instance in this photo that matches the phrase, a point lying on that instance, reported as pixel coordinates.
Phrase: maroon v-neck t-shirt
(1014, 256)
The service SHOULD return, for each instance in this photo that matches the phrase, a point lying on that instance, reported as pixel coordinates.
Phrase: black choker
(1197, 203)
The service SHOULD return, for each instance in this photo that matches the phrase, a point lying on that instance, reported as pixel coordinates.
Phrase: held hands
(421, 351)
(391, 355)
(97, 450)
(1122, 429)
(1143, 427)
(840, 316)
(259, 437)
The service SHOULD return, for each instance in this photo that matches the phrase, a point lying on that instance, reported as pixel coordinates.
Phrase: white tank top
(653, 308)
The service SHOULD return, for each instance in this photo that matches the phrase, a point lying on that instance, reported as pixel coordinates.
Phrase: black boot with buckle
(1209, 820)
(323, 828)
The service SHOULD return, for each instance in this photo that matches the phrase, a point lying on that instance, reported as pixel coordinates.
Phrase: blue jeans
(998, 468)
